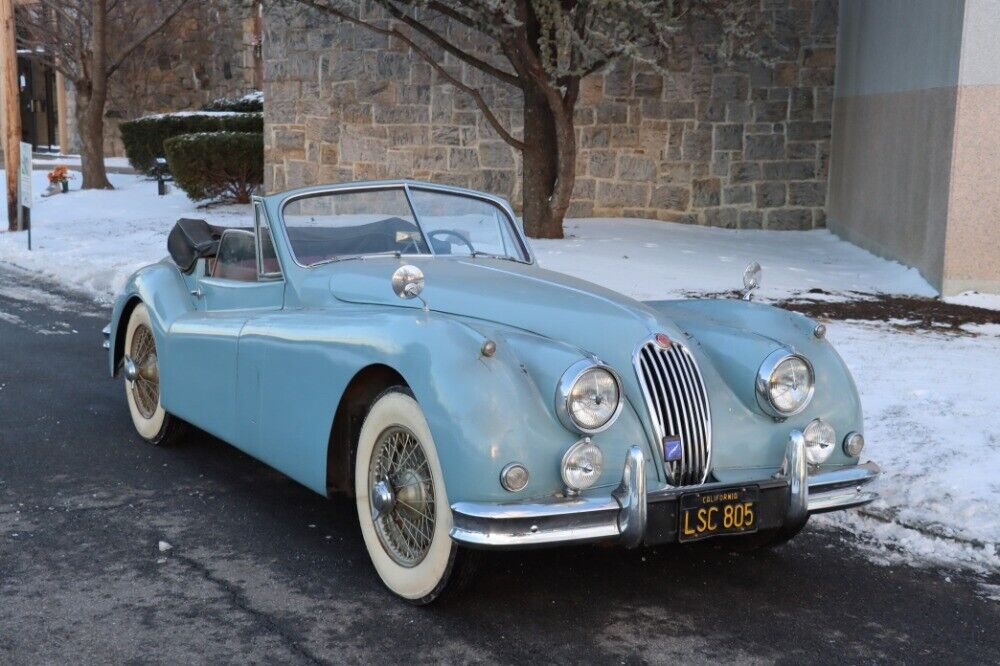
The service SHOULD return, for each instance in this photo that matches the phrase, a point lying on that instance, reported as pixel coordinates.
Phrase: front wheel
(142, 382)
(402, 503)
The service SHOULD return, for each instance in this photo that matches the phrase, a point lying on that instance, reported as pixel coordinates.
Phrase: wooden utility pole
(10, 108)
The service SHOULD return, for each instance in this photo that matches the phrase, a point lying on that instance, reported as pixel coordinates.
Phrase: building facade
(917, 137)
(735, 145)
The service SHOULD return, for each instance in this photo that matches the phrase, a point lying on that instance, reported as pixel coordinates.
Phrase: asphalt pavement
(255, 568)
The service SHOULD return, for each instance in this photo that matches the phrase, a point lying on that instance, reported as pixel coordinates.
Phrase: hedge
(222, 166)
(144, 138)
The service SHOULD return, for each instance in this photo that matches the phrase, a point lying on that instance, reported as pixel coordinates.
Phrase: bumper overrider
(633, 516)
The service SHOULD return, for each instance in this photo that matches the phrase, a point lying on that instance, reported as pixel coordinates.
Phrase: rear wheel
(142, 382)
(402, 503)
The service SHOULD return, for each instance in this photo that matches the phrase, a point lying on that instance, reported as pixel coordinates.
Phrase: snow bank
(931, 411)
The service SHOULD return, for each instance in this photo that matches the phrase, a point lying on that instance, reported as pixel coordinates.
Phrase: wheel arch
(120, 328)
(361, 392)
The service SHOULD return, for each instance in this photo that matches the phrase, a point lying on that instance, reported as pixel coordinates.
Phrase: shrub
(249, 103)
(223, 166)
(144, 137)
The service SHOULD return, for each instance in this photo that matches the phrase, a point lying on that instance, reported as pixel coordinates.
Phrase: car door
(236, 288)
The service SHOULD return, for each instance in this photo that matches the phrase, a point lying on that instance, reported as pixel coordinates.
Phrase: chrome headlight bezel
(565, 388)
(763, 382)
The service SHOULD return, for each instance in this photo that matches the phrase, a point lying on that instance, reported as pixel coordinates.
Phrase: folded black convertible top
(191, 240)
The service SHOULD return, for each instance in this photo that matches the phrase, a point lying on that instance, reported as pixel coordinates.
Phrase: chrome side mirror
(751, 280)
(408, 282)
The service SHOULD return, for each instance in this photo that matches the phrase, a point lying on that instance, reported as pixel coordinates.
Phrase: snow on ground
(976, 300)
(932, 416)
(648, 260)
(93, 240)
(932, 420)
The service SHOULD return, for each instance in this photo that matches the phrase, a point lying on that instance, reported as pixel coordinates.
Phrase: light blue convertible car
(396, 341)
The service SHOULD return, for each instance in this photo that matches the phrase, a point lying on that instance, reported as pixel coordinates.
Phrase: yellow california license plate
(718, 512)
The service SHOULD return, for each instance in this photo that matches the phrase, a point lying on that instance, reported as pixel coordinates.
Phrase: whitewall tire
(401, 498)
(142, 389)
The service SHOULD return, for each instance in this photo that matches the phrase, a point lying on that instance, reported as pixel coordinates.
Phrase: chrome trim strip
(847, 498)
(845, 476)
(259, 215)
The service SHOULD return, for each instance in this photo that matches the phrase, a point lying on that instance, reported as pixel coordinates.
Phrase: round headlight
(582, 465)
(854, 443)
(785, 384)
(589, 397)
(820, 440)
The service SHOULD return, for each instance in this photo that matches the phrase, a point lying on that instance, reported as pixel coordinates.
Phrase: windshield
(330, 226)
(458, 224)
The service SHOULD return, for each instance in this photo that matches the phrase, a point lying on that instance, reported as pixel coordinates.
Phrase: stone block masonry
(723, 144)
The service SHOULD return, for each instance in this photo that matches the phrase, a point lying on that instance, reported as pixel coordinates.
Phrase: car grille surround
(677, 402)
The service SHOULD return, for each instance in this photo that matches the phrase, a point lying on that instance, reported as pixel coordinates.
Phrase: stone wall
(737, 145)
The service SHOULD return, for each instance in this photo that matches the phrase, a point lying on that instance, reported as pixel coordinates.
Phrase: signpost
(24, 191)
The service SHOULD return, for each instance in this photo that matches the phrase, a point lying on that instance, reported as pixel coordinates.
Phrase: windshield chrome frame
(405, 186)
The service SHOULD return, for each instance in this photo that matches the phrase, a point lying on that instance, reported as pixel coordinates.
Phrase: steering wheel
(452, 234)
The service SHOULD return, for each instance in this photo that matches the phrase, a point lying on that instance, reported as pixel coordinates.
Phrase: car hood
(557, 306)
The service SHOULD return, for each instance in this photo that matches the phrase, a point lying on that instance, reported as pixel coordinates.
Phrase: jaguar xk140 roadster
(396, 341)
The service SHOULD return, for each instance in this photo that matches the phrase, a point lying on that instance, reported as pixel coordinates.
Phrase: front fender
(733, 338)
(483, 412)
(162, 288)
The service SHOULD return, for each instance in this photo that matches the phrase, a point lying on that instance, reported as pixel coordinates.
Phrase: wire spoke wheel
(146, 387)
(404, 520)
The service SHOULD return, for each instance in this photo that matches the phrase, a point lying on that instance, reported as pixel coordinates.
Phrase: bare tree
(88, 41)
(546, 48)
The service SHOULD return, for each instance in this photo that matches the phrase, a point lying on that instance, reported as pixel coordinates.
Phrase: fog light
(854, 443)
(582, 465)
(514, 477)
(820, 439)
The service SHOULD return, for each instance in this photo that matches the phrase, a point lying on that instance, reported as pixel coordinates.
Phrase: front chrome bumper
(625, 515)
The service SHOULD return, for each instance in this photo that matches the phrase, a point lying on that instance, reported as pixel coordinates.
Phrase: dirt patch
(904, 312)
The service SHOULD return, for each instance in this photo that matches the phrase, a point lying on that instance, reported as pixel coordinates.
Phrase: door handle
(197, 293)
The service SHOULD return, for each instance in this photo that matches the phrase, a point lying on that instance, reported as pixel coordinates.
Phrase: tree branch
(429, 59)
(157, 27)
(443, 43)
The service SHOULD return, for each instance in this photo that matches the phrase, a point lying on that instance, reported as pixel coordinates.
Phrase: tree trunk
(91, 96)
(540, 167)
(90, 121)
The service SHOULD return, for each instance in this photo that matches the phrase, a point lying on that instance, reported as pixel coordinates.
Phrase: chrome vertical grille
(678, 405)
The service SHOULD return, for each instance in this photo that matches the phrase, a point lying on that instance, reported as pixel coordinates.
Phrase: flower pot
(65, 186)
